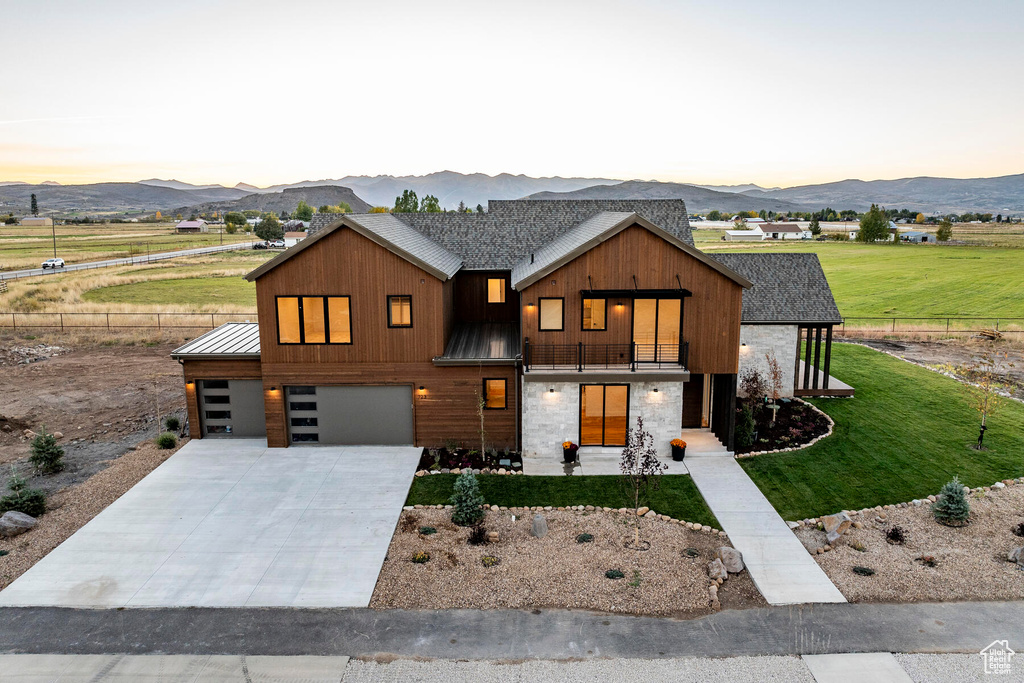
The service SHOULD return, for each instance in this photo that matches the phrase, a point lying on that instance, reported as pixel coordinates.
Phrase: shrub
(467, 501)
(4, 552)
(478, 535)
(166, 441)
(614, 574)
(490, 561)
(858, 546)
(427, 530)
(32, 502)
(745, 428)
(172, 423)
(691, 552)
(951, 508)
(896, 535)
(1019, 529)
(863, 571)
(47, 455)
(584, 538)
(408, 522)
(421, 557)
(928, 561)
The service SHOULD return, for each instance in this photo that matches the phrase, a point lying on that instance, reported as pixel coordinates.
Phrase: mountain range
(698, 199)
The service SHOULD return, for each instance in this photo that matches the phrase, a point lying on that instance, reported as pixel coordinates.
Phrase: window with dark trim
(594, 315)
(400, 310)
(302, 405)
(314, 320)
(552, 314)
(495, 290)
(496, 394)
(218, 414)
(210, 400)
(215, 384)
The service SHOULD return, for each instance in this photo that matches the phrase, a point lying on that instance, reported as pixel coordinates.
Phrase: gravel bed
(555, 571)
(70, 509)
(953, 668)
(971, 560)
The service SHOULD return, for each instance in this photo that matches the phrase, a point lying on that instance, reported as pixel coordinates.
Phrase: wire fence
(932, 325)
(120, 321)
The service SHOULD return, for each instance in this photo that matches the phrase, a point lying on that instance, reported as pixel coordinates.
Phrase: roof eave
(215, 356)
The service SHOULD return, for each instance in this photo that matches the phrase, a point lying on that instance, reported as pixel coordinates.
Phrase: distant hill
(108, 198)
(698, 199)
(1004, 194)
(178, 185)
(737, 188)
(286, 200)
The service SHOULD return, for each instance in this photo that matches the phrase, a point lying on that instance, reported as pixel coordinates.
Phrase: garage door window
(218, 414)
(313, 320)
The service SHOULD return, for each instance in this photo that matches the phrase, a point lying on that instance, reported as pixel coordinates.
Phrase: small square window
(495, 290)
(400, 311)
(495, 394)
(551, 314)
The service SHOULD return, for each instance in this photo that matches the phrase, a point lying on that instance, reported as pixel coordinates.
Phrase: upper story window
(495, 394)
(495, 290)
(594, 314)
(400, 311)
(313, 320)
(552, 312)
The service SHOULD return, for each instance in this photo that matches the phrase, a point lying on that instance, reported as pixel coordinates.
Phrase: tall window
(551, 314)
(495, 290)
(594, 314)
(495, 396)
(313, 320)
(400, 311)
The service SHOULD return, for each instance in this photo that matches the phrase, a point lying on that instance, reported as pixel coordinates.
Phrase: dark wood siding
(711, 316)
(213, 369)
(471, 298)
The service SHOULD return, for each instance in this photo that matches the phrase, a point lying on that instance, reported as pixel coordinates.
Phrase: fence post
(61, 322)
(211, 321)
(14, 320)
(997, 324)
(158, 321)
(894, 325)
(947, 325)
(108, 322)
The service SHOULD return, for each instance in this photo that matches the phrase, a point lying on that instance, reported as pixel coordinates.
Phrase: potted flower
(569, 451)
(678, 449)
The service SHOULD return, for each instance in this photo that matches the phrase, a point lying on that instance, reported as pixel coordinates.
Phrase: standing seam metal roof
(230, 339)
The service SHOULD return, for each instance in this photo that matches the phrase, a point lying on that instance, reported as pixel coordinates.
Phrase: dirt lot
(555, 571)
(957, 352)
(103, 398)
(970, 561)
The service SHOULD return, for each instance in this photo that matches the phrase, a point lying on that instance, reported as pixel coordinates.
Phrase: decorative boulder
(837, 523)
(13, 523)
(1015, 555)
(731, 558)
(540, 527)
(717, 570)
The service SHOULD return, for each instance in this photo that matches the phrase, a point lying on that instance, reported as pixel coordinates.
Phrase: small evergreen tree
(815, 227)
(951, 508)
(47, 455)
(35, 205)
(479, 208)
(22, 499)
(745, 428)
(467, 501)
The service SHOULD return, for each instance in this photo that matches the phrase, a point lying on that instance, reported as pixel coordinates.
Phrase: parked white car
(53, 263)
(276, 244)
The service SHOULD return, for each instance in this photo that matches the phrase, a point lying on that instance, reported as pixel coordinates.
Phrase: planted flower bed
(445, 460)
(796, 424)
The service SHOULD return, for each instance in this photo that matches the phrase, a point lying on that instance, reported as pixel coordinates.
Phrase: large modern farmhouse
(538, 322)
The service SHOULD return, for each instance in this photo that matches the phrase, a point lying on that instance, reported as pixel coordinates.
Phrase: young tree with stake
(641, 470)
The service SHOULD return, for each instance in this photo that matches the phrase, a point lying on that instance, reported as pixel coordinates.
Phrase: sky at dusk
(777, 93)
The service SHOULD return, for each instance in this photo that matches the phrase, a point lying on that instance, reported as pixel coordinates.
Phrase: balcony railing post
(579, 356)
(632, 357)
(526, 355)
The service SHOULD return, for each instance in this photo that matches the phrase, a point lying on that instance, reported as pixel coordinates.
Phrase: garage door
(350, 415)
(232, 407)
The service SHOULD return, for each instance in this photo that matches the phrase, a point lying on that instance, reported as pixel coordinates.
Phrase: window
(495, 290)
(301, 391)
(218, 414)
(495, 394)
(305, 437)
(304, 422)
(400, 311)
(299, 405)
(551, 317)
(594, 314)
(313, 320)
(215, 384)
(209, 400)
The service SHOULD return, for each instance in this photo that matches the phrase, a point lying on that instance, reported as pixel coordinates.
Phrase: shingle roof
(568, 243)
(780, 227)
(788, 288)
(240, 340)
(513, 229)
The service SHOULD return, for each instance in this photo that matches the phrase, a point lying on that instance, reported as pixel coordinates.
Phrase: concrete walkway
(596, 460)
(170, 669)
(780, 566)
(867, 667)
(231, 523)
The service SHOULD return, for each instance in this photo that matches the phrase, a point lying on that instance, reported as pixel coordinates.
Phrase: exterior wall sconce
(530, 305)
(551, 391)
(423, 389)
(190, 383)
(273, 388)
(618, 305)
(655, 389)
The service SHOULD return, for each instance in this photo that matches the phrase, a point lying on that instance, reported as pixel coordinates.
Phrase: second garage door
(350, 415)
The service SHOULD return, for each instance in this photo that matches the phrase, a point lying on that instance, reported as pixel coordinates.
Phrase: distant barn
(36, 220)
(192, 226)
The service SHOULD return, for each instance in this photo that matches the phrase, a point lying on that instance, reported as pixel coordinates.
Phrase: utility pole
(53, 230)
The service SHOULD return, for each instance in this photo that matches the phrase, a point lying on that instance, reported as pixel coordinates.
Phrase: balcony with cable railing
(580, 357)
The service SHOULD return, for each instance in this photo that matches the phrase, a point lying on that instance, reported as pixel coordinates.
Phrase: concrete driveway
(231, 523)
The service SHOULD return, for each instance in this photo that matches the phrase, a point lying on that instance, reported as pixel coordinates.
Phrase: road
(132, 260)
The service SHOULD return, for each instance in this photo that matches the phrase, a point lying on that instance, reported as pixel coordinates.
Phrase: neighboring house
(192, 226)
(293, 238)
(564, 319)
(916, 236)
(784, 231)
(36, 220)
(892, 232)
(754, 234)
(295, 225)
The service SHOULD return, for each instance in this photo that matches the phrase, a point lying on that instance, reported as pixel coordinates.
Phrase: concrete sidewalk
(780, 566)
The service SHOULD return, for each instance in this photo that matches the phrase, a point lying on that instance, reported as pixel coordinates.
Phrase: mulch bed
(444, 459)
(795, 423)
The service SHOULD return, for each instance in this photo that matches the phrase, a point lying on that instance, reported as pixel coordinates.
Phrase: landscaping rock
(492, 536)
(717, 570)
(837, 523)
(731, 558)
(1015, 555)
(832, 536)
(999, 485)
(58, 435)
(643, 510)
(540, 527)
(793, 525)
(13, 523)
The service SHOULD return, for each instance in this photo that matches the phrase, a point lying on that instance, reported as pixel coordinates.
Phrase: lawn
(911, 280)
(677, 497)
(197, 291)
(904, 434)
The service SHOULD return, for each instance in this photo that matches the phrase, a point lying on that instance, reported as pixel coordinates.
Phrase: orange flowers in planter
(568, 444)
(678, 443)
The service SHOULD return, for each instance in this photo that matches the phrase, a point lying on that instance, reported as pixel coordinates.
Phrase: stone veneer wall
(549, 419)
(759, 340)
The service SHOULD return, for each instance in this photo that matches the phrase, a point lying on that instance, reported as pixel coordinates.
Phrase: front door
(656, 325)
(604, 411)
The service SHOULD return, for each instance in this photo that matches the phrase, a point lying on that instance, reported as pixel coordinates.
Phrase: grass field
(904, 435)
(28, 246)
(678, 496)
(191, 291)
